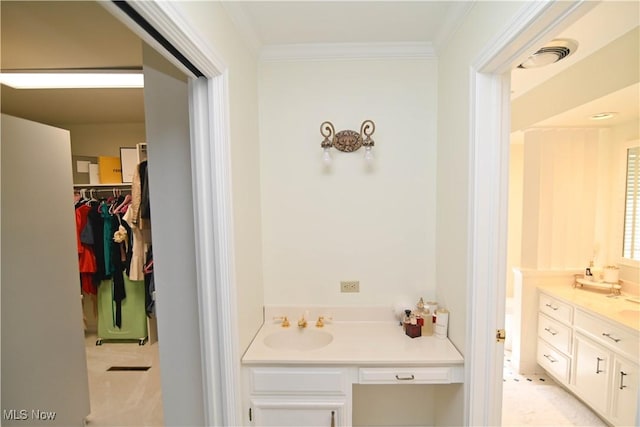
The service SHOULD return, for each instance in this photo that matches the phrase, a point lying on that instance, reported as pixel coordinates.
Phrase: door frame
(213, 213)
(490, 128)
(488, 173)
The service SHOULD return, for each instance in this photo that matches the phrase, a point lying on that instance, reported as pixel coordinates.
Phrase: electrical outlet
(350, 286)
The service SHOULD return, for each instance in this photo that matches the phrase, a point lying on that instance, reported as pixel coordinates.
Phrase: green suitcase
(134, 316)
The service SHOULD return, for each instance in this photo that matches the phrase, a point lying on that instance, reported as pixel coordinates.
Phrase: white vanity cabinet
(624, 391)
(605, 376)
(297, 396)
(555, 337)
(592, 355)
(592, 372)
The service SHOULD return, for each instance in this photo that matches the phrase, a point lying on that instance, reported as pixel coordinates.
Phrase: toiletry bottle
(407, 319)
(427, 326)
(433, 306)
(420, 312)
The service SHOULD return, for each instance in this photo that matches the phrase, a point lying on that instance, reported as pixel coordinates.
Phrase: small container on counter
(427, 324)
(432, 306)
(442, 322)
(413, 330)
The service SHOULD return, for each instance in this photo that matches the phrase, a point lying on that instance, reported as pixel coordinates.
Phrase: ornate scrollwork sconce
(347, 140)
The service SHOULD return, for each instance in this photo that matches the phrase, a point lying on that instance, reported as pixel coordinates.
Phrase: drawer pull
(412, 377)
(608, 335)
(622, 375)
(551, 307)
(551, 331)
(551, 359)
(598, 360)
(333, 418)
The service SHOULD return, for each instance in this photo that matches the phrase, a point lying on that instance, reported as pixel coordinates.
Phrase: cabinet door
(624, 392)
(591, 375)
(291, 413)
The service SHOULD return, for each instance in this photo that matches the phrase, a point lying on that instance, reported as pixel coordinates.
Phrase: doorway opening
(568, 136)
(83, 35)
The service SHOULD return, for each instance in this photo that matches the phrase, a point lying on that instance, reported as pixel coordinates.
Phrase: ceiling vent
(551, 53)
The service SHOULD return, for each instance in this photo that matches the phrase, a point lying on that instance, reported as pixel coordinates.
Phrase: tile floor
(134, 398)
(537, 400)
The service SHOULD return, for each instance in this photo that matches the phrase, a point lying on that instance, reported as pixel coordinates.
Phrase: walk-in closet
(102, 162)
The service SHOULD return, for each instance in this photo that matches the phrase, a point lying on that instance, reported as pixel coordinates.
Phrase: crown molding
(243, 24)
(451, 23)
(347, 51)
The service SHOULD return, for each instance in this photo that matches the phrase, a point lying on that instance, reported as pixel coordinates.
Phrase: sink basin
(298, 339)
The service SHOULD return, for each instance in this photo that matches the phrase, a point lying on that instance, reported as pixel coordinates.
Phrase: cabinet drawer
(426, 375)
(612, 335)
(317, 381)
(553, 361)
(556, 309)
(555, 333)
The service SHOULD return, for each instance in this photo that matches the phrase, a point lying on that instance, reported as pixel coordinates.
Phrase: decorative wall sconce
(347, 140)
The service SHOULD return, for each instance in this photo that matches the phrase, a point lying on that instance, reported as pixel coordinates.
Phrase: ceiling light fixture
(603, 116)
(554, 51)
(100, 79)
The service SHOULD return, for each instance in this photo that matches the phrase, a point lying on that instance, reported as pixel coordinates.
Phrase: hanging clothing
(86, 257)
(107, 235)
(135, 256)
(97, 226)
(118, 264)
(149, 284)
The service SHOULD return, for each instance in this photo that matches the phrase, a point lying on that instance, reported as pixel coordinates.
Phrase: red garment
(86, 258)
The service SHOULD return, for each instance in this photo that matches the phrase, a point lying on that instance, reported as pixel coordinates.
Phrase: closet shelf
(122, 184)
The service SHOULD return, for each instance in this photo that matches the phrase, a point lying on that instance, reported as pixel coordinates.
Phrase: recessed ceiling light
(73, 80)
(603, 116)
(554, 51)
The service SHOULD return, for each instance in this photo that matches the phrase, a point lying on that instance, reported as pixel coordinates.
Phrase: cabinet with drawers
(322, 395)
(555, 337)
(593, 356)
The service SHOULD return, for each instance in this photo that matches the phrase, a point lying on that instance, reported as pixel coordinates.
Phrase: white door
(44, 367)
(624, 404)
(166, 105)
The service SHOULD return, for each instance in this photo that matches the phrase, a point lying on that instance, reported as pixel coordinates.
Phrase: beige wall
(211, 21)
(104, 139)
(484, 21)
(348, 221)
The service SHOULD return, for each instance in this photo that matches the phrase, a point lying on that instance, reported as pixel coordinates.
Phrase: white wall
(348, 222)
(566, 183)
(572, 198)
(484, 21)
(210, 20)
(514, 243)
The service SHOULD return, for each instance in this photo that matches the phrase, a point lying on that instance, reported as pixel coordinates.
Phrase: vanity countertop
(379, 343)
(619, 308)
